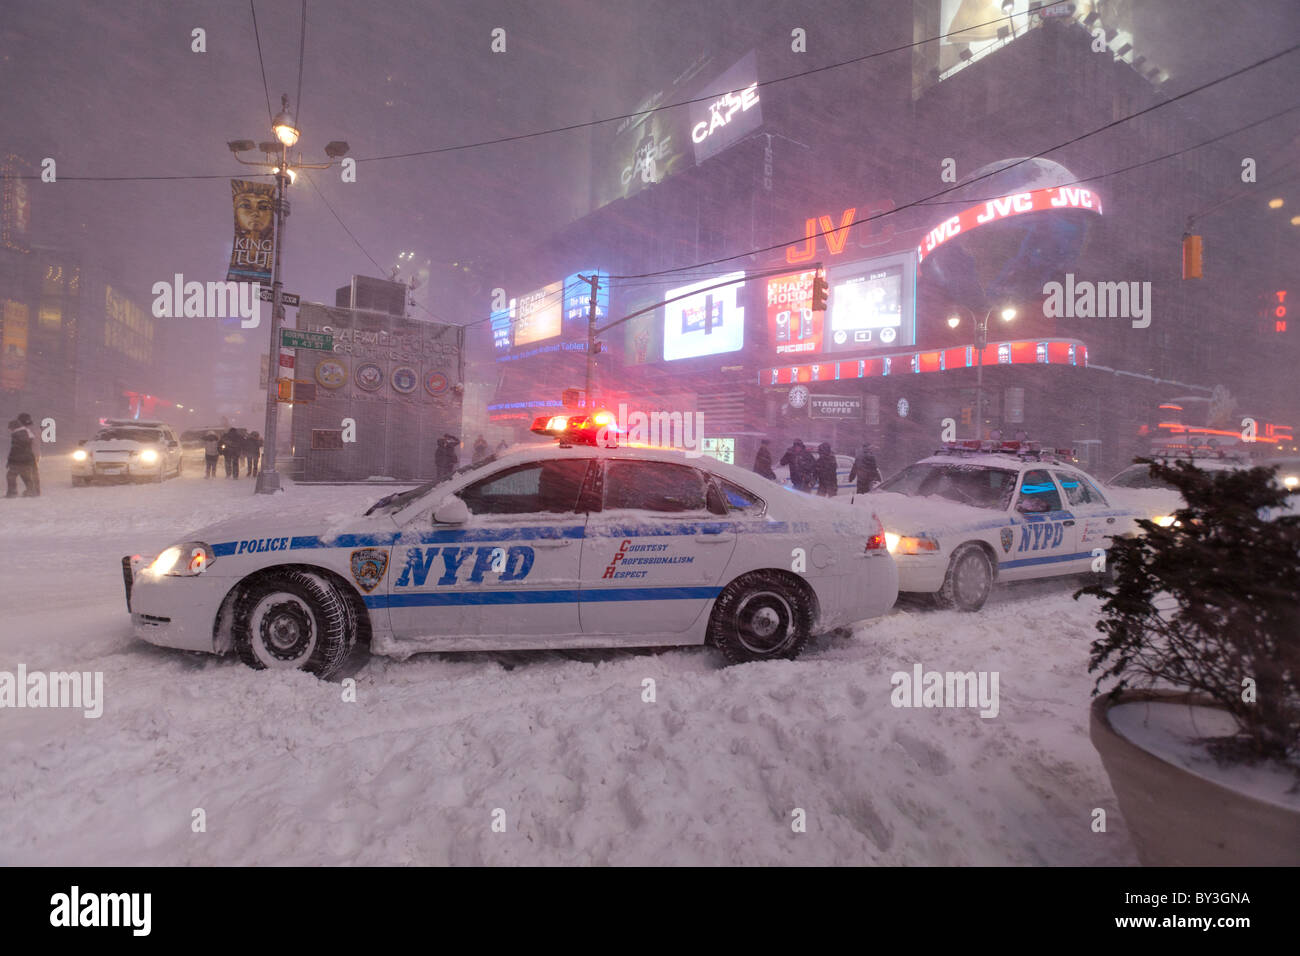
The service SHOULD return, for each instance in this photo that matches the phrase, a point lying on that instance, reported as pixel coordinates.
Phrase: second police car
(560, 546)
(980, 512)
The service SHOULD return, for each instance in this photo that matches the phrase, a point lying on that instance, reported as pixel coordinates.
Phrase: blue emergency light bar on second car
(1027, 450)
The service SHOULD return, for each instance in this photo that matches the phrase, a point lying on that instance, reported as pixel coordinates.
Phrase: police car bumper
(870, 590)
(921, 573)
(175, 612)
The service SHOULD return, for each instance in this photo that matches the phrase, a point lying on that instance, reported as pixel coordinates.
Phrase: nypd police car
(980, 512)
(558, 546)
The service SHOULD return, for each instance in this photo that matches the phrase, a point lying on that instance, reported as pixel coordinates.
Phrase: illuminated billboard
(730, 111)
(539, 315)
(792, 326)
(707, 323)
(872, 305)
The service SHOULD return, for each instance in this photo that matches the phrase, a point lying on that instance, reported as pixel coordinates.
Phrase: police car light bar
(1021, 449)
(598, 428)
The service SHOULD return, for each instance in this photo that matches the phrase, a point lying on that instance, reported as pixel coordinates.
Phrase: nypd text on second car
(564, 545)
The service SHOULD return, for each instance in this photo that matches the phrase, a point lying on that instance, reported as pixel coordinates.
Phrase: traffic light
(1191, 257)
(820, 292)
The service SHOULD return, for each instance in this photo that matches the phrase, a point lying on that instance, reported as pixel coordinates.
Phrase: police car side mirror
(451, 511)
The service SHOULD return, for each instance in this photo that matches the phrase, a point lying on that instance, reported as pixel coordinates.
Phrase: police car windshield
(974, 485)
(129, 434)
(399, 500)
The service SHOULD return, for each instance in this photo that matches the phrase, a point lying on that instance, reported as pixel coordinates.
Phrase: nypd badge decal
(1007, 537)
(368, 566)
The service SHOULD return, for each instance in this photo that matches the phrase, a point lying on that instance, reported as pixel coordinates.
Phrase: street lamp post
(981, 340)
(286, 135)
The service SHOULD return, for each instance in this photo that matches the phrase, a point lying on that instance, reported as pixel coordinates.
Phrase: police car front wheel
(759, 617)
(292, 619)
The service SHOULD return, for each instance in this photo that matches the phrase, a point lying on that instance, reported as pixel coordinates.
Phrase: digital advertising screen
(792, 326)
(539, 315)
(577, 297)
(643, 336)
(728, 109)
(707, 323)
(872, 305)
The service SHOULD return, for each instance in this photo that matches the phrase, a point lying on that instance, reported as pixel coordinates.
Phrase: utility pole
(594, 282)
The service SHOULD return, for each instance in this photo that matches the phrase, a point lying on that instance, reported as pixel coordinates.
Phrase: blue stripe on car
(460, 598)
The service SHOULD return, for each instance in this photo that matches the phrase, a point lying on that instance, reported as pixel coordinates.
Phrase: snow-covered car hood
(293, 523)
(905, 514)
(121, 444)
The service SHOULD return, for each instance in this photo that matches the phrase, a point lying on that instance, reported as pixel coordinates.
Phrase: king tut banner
(254, 249)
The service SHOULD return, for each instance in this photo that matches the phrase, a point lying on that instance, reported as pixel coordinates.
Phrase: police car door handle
(711, 537)
(1068, 524)
(552, 542)
(1110, 521)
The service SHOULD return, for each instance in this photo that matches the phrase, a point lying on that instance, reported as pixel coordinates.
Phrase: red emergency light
(599, 428)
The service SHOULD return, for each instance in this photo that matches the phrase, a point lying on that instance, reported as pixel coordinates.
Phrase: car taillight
(877, 540)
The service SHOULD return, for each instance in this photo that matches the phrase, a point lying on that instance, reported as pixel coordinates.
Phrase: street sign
(294, 339)
(288, 298)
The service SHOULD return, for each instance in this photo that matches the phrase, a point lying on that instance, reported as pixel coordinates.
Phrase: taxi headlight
(182, 560)
(79, 455)
(148, 456)
(1165, 521)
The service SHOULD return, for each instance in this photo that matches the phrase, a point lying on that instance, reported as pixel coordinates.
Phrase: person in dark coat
(211, 452)
(480, 450)
(763, 461)
(828, 484)
(794, 459)
(21, 462)
(231, 447)
(807, 468)
(446, 457)
(252, 453)
(865, 470)
(25, 420)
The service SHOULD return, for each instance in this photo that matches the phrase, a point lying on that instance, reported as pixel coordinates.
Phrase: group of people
(819, 472)
(24, 458)
(232, 446)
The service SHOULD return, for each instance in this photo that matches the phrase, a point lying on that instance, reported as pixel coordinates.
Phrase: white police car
(977, 512)
(554, 546)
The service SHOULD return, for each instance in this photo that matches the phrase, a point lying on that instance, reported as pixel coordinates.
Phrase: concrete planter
(1180, 819)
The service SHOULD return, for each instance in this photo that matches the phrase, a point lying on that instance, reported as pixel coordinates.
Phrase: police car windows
(1078, 490)
(653, 486)
(1038, 493)
(738, 499)
(547, 487)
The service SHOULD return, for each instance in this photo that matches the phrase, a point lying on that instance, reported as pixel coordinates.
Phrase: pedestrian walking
(446, 457)
(21, 462)
(828, 483)
(865, 471)
(231, 446)
(252, 454)
(763, 461)
(26, 421)
(211, 452)
(480, 450)
(793, 459)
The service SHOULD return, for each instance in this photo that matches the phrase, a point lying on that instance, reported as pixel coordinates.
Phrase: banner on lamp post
(254, 249)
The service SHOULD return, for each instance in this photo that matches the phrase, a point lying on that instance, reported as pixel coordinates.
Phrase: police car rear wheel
(969, 579)
(760, 617)
(293, 620)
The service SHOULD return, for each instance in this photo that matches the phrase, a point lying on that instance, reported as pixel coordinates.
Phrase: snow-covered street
(288, 771)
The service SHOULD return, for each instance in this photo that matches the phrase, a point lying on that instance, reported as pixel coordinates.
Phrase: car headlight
(908, 544)
(79, 455)
(148, 456)
(1291, 481)
(182, 560)
(1166, 521)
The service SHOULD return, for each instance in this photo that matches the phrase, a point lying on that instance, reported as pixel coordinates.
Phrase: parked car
(980, 512)
(128, 450)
